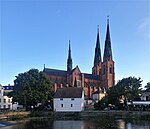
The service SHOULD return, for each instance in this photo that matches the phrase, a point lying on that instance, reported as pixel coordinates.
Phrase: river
(75, 124)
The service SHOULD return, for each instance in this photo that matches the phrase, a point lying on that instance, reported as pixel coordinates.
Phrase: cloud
(144, 27)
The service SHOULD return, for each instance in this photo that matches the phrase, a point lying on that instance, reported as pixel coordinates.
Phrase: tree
(31, 88)
(147, 85)
(125, 90)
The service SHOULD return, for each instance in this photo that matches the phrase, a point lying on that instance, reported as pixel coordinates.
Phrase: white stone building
(145, 96)
(98, 95)
(5, 101)
(70, 99)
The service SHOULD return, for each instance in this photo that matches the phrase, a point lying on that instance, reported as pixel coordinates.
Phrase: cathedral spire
(107, 49)
(97, 57)
(69, 60)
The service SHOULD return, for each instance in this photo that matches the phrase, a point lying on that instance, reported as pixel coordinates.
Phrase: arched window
(110, 69)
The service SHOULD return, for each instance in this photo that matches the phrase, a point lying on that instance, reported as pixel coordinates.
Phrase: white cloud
(144, 27)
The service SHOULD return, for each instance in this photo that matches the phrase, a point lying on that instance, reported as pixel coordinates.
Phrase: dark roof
(55, 72)
(8, 87)
(69, 92)
(92, 76)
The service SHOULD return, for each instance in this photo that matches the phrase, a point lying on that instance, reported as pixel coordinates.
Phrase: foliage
(125, 90)
(31, 88)
(147, 85)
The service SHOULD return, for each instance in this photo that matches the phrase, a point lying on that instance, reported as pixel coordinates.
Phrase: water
(78, 124)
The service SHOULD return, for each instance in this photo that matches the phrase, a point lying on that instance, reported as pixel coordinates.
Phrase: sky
(37, 32)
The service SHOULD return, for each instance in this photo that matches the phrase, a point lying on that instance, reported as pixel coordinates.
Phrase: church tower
(69, 60)
(97, 58)
(108, 74)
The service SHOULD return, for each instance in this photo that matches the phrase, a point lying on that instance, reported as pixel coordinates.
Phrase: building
(98, 95)
(103, 73)
(70, 99)
(146, 95)
(5, 101)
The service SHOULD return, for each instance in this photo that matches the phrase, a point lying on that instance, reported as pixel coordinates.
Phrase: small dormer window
(61, 98)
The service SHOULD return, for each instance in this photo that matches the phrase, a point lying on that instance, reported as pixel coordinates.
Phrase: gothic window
(110, 69)
(99, 72)
(78, 83)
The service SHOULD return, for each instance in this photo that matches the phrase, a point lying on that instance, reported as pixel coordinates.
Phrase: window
(62, 105)
(4, 106)
(72, 98)
(78, 83)
(61, 98)
(146, 98)
(104, 69)
(71, 105)
(8, 100)
(9, 106)
(0, 100)
(110, 69)
(4, 100)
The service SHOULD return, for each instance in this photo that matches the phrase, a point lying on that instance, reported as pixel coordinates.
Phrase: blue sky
(37, 32)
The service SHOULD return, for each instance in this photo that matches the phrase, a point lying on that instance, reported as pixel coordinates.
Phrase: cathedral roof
(69, 92)
(55, 72)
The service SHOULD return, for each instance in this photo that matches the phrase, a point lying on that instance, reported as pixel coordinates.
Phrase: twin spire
(97, 57)
(107, 49)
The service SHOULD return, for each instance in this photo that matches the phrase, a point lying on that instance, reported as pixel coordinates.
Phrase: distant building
(5, 101)
(70, 99)
(103, 71)
(146, 95)
(98, 95)
(143, 104)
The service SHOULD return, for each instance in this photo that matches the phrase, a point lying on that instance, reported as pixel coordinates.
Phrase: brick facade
(103, 73)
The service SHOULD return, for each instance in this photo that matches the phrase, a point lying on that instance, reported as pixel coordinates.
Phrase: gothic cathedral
(103, 73)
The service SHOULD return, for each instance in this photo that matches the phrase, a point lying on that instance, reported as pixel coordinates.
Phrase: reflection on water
(72, 124)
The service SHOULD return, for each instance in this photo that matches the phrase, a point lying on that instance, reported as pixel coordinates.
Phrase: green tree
(147, 85)
(31, 88)
(125, 90)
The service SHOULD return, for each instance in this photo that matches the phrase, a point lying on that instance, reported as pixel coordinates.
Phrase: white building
(70, 99)
(98, 95)
(146, 95)
(5, 101)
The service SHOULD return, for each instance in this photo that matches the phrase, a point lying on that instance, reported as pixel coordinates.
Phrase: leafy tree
(125, 90)
(31, 88)
(147, 85)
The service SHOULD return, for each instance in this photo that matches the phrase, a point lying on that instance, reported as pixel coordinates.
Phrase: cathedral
(103, 73)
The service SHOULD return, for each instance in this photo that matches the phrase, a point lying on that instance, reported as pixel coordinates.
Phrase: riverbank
(77, 115)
